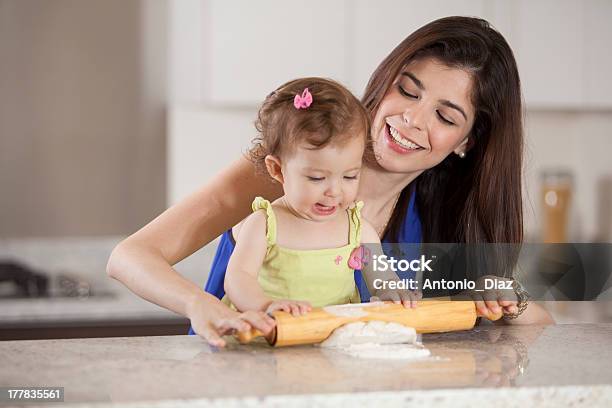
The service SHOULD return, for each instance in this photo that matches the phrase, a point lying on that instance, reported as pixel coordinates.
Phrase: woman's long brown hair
(477, 199)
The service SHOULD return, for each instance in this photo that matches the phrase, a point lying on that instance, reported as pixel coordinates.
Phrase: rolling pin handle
(491, 316)
(245, 337)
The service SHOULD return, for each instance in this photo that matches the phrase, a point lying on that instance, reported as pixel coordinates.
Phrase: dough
(377, 340)
(371, 332)
(351, 309)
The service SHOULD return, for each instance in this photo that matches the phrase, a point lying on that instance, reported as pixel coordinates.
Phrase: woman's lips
(393, 145)
(321, 209)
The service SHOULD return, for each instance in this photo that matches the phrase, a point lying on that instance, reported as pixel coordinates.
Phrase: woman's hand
(295, 307)
(211, 319)
(491, 301)
(408, 298)
(493, 295)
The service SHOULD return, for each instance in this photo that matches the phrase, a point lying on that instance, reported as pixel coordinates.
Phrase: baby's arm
(241, 283)
(369, 236)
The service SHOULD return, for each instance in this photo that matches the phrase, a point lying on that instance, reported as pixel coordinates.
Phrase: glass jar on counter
(556, 197)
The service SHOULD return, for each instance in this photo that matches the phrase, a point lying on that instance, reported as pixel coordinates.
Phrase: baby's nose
(334, 189)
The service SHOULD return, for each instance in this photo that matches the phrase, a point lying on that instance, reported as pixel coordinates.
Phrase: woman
(447, 141)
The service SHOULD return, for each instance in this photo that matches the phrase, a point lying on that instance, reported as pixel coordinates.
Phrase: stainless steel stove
(18, 281)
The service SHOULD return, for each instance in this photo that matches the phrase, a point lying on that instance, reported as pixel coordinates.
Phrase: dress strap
(355, 223)
(262, 204)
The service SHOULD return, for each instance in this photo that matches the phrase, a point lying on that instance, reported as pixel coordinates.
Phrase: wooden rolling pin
(430, 316)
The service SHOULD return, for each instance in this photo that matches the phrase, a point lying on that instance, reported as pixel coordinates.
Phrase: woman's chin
(392, 163)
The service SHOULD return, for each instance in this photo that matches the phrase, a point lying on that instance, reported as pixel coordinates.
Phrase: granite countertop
(120, 307)
(544, 365)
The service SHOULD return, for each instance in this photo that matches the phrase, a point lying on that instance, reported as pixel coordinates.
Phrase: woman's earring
(461, 155)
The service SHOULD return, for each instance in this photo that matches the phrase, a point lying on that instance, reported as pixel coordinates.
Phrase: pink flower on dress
(338, 260)
(359, 256)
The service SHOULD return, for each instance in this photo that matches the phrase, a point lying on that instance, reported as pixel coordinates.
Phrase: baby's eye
(315, 178)
(350, 177)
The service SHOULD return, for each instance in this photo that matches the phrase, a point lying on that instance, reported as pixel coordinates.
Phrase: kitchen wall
(578, 141)
(82, 116)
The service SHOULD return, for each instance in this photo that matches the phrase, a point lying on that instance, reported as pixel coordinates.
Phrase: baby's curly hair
(334, 117)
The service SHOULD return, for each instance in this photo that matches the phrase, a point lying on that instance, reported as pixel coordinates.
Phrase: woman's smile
(399, 142)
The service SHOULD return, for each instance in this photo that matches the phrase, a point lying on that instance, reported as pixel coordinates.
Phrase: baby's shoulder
(253, 224)
(256, 219)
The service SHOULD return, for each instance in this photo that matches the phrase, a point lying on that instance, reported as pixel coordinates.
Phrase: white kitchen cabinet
(598, 53)
(202, 141)
(548, 40)
(255, 46)
(377, 27)
(562, 50)
(561, 46)
(241, 50)
(187, 72)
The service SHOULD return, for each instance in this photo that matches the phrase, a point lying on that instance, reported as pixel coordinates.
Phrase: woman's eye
(406, 93)
(444, 120)
(315, 178)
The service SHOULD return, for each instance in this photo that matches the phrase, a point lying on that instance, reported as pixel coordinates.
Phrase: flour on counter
(377, 340)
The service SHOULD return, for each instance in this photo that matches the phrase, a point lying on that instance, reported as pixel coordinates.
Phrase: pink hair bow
(302, 101)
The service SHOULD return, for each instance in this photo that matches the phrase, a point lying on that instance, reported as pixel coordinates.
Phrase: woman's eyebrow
(444, 102)
(453, 106)
(416, 80)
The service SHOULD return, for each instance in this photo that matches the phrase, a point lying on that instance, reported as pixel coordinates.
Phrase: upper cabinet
(255, 46)
(597, 58)
(561, 48)
(549, 39)
(377, 27)
(245, 49)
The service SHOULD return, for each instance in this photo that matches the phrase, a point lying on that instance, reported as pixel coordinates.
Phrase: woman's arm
(533, 314)
(143, 262)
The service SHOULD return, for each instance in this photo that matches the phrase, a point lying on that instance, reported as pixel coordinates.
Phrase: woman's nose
(413, 118)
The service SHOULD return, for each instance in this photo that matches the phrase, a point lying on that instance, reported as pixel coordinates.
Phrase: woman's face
(425, 116)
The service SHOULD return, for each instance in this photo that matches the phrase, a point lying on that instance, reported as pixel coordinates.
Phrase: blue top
(410, 232)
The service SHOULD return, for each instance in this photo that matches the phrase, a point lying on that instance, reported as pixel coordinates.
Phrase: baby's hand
(408, 298)
(295, 307)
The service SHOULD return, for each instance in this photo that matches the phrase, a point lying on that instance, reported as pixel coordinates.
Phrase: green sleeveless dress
(320, 276)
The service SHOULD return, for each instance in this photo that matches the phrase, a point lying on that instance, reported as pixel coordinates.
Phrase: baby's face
(319, 184)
